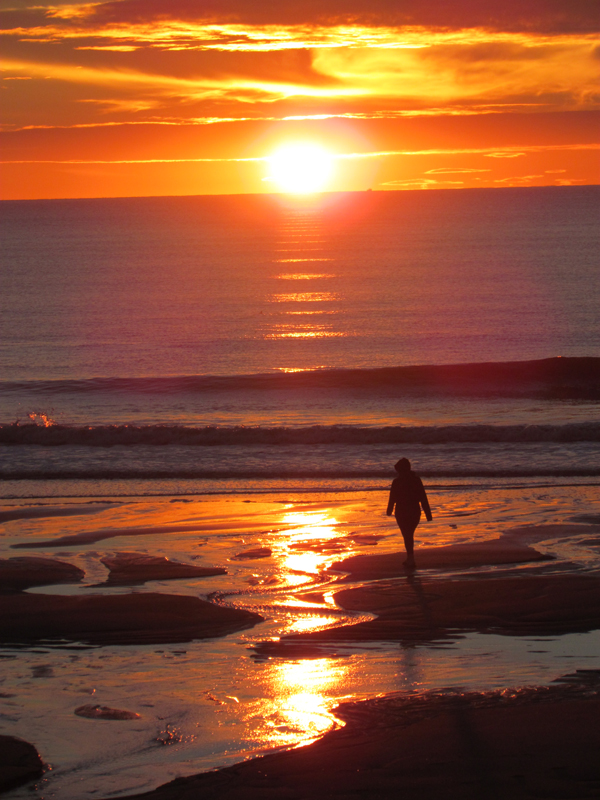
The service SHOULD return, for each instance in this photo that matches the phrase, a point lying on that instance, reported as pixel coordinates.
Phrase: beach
(150, 639)
(201, 403)
(471, 746)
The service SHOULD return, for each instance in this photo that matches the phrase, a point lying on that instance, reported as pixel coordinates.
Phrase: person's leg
(408, 534)
(408, 525)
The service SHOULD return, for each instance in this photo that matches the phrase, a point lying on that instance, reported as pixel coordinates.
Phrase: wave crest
(163, 435)
(549, 378)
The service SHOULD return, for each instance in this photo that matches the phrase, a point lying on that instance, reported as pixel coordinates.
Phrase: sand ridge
(142, 618)
(386, 565)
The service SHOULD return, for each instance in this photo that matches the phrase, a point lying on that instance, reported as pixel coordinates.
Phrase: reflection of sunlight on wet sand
(305, 562)
(307, 519)
(216, 700)
(306, 624)
(309, 528)
(303, 693)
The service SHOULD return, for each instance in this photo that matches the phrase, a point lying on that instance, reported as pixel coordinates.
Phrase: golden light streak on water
(311, 546)
(304, 624)
(302, 698)
(302, 276)
(305, 335)
(297, 369)
(305, 297)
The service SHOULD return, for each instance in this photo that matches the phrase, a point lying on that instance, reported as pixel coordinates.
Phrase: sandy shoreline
(528, 744)
(320, 555)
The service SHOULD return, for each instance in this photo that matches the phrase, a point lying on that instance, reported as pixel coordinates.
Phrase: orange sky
(159, 97)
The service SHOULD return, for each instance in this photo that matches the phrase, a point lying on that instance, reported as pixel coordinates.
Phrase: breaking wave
(549, 378)
(281, 474)
(210, 436)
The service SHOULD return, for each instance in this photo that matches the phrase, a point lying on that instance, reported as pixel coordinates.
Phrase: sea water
(161, 358)
(186, 321)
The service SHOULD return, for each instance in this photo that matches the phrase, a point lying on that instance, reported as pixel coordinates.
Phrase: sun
(300, 168)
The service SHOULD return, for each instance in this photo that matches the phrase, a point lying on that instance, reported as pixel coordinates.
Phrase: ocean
(229, 341)
(191, 377)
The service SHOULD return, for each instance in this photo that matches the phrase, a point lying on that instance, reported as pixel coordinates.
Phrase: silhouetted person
(407, 495)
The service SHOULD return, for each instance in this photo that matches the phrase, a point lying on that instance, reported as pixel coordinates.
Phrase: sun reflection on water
(312, 544)
(312, 333)
(305, 297)
(302, 276)
(306, 313)
(304, 693)
(303, 240)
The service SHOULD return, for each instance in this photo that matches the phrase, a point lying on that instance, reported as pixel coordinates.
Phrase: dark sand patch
(21, 572)
(590, 519)
(19, 763)
(104, 712)
(541, 533)
(501, 746)
(412, 610)
(390, 565)
(145, 618)
(9, 514)
(312, 597)
(128, 568)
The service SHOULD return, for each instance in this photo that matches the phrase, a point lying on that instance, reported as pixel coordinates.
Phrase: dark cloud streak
(532, 16)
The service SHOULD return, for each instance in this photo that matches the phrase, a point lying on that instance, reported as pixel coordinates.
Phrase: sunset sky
(159, 97)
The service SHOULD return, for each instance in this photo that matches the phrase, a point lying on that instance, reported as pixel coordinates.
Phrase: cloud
(423, 183)
(450, 171)
(211, 57)
(518, 180)
(563, 75)
(238, 88)
(510, 15)
(340, 156)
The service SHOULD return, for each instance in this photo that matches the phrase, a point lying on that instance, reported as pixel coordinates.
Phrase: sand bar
(388, 565)
(19, 763)
(412, 610)
(94, 536)
(144, 618)
(130, 568)
(22, 572)
(8, 514)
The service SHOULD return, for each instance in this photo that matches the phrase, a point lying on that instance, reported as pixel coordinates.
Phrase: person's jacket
(406, 494)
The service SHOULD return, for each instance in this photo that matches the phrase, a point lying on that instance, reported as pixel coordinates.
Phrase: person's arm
(391, 502)
(425, 503)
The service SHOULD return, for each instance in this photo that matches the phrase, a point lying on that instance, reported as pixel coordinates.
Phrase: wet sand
(496, 746)
(413, 610)
(469, 746)
(19, 763)
(19, 573)
(126, 569)
(148, 618)
(463, 556)
(145, 618)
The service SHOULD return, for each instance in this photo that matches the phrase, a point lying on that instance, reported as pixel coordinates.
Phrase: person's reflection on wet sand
(407, 496)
